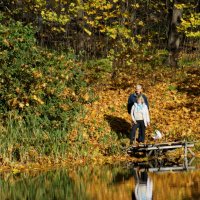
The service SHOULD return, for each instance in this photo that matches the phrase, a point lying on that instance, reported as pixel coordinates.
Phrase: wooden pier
(161, 148)
(164, 165)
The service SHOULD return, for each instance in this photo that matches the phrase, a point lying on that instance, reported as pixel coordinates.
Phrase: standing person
(140, 118)
(132, 98)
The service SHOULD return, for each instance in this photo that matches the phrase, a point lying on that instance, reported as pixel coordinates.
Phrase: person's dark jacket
(133, 99)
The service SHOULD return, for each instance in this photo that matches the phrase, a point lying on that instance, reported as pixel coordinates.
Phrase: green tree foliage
(36, 82)
(101, 27)
(190, 24)
(95, 28)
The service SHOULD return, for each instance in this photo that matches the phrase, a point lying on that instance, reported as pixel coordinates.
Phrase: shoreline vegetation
(57, 109)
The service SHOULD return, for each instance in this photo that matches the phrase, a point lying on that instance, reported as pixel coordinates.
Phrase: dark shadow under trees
(118, 125)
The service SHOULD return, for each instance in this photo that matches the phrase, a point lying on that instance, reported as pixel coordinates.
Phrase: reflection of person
(140, 118)
(144, 186)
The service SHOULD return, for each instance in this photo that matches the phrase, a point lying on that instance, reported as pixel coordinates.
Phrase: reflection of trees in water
(195, 190)
(46, 186)
(183, 185)
(86, 182)
(99, 182)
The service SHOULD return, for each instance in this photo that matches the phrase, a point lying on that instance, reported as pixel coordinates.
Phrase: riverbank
(100, 134)
(56, 109)
(43, 166)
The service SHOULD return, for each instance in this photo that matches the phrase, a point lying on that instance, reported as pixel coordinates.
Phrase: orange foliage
(174, 104)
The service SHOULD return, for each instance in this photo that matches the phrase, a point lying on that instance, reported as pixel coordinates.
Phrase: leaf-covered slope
(174, 105)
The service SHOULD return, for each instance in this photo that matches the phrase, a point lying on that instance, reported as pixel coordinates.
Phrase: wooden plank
(159, 169)
(191, 160)
(173, 143)
(159, 147)
(191, 151)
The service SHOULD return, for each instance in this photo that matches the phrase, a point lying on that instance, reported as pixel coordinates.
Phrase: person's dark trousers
(140, 124)
(140, 134)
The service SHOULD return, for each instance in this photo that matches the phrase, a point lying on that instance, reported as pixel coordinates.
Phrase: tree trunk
(174, 37)
(198, 6)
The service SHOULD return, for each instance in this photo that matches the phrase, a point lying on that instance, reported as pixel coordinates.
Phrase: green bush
(42, 93)
(100, 70)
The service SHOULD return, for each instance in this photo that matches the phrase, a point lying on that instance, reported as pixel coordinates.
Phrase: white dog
(157, 135)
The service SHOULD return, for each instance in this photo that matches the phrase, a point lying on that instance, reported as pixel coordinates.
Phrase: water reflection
(144, 186)
(122, 181)
(46, 186)
(143, 182)
(165, 164)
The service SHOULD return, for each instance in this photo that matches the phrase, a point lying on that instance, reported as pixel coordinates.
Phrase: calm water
(118, 182)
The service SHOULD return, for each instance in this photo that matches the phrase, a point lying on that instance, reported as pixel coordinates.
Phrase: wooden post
(185, 155)
(149, 154)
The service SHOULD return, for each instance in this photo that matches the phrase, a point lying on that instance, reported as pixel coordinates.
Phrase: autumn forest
(67, 68)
